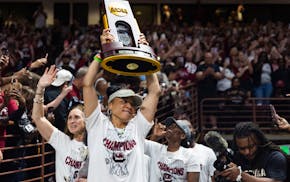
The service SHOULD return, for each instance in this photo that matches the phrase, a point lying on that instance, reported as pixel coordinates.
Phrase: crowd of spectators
(256, 53)
(214, 56)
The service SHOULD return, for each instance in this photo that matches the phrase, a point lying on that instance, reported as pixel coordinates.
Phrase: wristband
(41, 88)
(41, 92)
(239, 177)
(38, 101)
(96, 58)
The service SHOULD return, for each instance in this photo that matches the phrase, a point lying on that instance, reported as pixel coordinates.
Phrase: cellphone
(273, 113)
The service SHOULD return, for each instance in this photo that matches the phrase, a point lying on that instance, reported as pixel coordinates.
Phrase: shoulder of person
(276, 154)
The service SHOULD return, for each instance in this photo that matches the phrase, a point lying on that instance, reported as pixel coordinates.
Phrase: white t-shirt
(170, 166)
(69, 156)
(40, 20)
(115, 158)
(190, 67)
(266, 73)
(225, 83)
(207, 157)
(147, 164)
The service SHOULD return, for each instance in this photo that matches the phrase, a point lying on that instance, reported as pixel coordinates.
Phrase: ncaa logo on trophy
(125, 56)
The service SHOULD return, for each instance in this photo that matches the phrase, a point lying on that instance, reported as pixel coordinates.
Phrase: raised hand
(66, 89)
(41, 62)
(48, 77)
(158, 131)
(107, 37)
(142, 39)
(282, 123)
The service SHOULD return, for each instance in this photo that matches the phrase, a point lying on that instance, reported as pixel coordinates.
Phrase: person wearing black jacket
(256, 158)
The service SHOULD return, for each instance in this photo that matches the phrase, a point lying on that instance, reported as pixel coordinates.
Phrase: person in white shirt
(116, 141)
(40, 18)
(70, 150)
(172, 162)
(206, 155)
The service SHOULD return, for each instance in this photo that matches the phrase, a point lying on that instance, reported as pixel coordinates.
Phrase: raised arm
(89, 92)
(39, 62)
(149, 105)
(55, 103)
(44, 127)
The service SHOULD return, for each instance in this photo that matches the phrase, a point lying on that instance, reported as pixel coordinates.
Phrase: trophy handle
(105, 21)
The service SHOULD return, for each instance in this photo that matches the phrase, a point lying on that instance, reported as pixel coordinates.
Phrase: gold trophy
(125, 56)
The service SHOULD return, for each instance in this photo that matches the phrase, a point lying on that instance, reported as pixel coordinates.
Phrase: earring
(109, 112)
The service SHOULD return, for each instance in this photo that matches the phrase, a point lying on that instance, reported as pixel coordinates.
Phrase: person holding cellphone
(279, 121)
(282, 123)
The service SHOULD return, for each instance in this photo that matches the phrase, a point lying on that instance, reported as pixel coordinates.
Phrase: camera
(224, 155)
(27, 130)
(221, 164)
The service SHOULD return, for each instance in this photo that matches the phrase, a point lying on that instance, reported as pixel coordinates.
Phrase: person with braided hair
(256, 158)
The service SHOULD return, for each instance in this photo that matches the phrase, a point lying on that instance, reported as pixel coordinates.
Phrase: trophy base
(129, 61)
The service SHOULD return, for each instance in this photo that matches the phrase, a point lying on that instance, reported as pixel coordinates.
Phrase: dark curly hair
(249, 129)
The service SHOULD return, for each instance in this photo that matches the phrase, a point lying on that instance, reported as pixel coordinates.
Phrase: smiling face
(76, 122)
(123, 110)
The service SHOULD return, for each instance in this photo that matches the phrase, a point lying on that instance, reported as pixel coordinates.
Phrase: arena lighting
(240, 10)
(125, 56)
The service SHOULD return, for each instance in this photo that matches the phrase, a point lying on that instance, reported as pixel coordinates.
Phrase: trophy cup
(125, 56)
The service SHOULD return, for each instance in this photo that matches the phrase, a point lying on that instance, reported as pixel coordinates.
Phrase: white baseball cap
(137, 99)
(61, 77)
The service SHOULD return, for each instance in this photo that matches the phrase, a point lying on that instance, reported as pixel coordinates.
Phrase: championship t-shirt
(170, 166)
(69, 156)
(116, 154)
